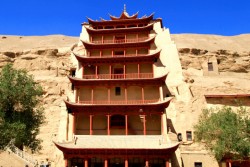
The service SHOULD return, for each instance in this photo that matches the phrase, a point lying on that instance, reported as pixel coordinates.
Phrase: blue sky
(46, 17)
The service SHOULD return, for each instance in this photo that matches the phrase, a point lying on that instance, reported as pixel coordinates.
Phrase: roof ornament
(124, 8)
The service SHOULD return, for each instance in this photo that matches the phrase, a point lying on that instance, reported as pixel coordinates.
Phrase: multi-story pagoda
(117, 111)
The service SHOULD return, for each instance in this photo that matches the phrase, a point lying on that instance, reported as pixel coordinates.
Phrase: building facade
(116, 113)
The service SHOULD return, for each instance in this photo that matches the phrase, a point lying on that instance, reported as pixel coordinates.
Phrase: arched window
(117, 121)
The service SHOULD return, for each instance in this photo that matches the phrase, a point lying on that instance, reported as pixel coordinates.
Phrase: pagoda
(116, 113)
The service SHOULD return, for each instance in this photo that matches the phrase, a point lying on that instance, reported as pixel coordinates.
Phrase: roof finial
(124, 8)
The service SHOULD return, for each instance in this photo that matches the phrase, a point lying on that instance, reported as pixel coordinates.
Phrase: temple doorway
(77, 162)
(158, 162)
(116, 162)
(97, 162)
(136, 162)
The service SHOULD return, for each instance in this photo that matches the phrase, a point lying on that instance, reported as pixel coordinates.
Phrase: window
(210, 66)
(73, 72)
(117, 91)
(117, 121)
(189, 135)
(179, 137)
(198, 164)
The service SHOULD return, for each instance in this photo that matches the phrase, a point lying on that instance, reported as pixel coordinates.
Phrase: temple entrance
(116, 162)
(116, 165)
(77, 162)
(97, 165)
(136, 162)
(158, 162)
(97, 162)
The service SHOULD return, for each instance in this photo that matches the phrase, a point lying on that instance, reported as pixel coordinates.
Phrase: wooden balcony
(115, 43)
(120, 76)
(121, 41)
(120, 102)
(121, 55)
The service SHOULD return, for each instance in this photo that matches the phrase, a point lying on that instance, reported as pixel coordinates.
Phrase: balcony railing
(119, 76)
(84, 53)
(119, 101)
(121, 55)
(121, 41)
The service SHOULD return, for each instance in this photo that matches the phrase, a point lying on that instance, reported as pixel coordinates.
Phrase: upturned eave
(119, 30)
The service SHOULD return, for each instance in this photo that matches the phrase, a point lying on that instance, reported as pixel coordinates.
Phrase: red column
(105, 163)
(144, 125)
(229, 164)
(96, 70)
(90, 124)
(100, 53)
(124, 53)
(146, 163)
(112, 53)
(102, 39)
(142, 94)
(66, 163)
(92, 95)
(124, 71)
(136, 52)
(85, 163)
(126, 163)
(138, 66)
(126, 124)
(108, 124)
(167, 163)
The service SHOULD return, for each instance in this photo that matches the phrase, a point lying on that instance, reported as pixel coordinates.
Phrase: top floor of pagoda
(123, 21)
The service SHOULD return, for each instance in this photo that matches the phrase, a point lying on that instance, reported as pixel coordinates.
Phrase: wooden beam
(126, 124)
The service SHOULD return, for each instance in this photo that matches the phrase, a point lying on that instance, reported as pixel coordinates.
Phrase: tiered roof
(119, 106)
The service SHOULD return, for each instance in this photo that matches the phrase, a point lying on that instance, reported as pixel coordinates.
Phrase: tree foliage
(225, 132)
(20, 112)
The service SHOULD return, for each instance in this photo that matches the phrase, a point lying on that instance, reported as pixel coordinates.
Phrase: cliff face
(232, 53)
(48, 59)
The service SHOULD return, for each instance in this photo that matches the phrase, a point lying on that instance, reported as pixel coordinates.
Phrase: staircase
(24, 156)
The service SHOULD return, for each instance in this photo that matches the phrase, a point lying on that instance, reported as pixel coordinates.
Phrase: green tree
(20, 111)
(225, 132)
